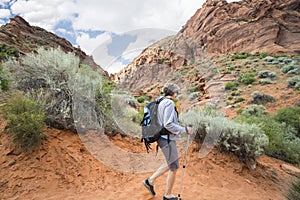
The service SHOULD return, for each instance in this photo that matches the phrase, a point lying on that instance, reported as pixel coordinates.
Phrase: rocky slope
(271, 26)
(217, 29)
(23, 38)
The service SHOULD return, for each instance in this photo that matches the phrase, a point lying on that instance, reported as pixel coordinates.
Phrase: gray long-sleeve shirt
(167, 116)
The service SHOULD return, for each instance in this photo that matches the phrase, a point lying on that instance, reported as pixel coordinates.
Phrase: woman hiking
(168, 117)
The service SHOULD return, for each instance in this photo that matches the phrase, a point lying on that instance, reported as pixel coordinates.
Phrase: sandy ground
(62, 168)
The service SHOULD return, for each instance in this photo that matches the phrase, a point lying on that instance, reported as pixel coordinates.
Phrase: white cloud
(44, 13)
(4, 13)
(64, 31)
(115, 67)
(4, 2)
(88, 44)
(122, 16)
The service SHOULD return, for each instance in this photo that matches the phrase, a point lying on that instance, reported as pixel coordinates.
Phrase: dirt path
(63, 169)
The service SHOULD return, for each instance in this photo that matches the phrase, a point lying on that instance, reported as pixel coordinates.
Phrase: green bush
(231, 85)
(239, 99)
(247, 79)
(290, 116)
(283, 142)
(294, 191)
(4, 78)
(141, 99)
(242, 55)
(8, 51)
(246, 141)
(25, 118)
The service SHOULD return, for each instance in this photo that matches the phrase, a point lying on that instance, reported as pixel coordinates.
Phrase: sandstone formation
(271, 26)
(265, 26)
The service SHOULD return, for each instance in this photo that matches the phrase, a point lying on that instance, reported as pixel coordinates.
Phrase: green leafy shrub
(290, 116)
(242, 55)
(8, 51)
(246, 141)
(231, 85)
(141, 99)
(239, 99)
(247, 78)
(283, 142)
(294, 191)
(25, 118)
(4, 78)
(263, 55)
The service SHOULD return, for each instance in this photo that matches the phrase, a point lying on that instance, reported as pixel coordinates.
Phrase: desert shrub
(58, 79)
(292, 68)
(239, 99)
(141, 99)
(283, 142)
(269, 59)
(290, 116)
(266, 74)
(294, 82)
(263, 54)
(163, 60)
(193, 89)
(193, 95)
(242, 55)
(4, 78)
(294, 191)
(231, 85)
(8, 51)
(259, 98)
(135, 116)
(25, 118)
(247, 79)
(265, 81)
(284, 59)
(52, 72)
(254, 110)
(246, 141)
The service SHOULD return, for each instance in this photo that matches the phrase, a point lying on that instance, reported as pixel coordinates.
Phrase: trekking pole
(184, 163)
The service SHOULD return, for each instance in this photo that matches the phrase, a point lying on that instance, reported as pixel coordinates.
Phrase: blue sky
(89, 23)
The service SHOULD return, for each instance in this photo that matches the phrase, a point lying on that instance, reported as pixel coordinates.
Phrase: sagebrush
(246, 141)
(58, 78)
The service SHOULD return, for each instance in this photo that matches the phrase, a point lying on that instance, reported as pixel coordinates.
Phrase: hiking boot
(171, 198)
(149, 186)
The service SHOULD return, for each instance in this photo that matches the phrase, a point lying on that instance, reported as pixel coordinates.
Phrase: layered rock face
(271, 26)
(26, 38)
